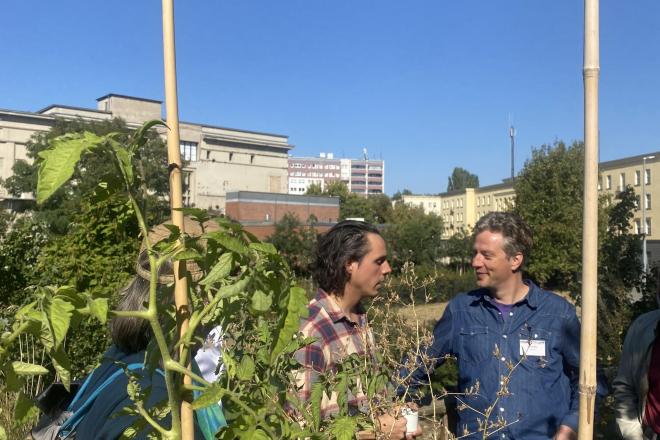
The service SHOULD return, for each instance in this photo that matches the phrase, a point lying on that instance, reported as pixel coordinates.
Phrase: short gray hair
(518, 237)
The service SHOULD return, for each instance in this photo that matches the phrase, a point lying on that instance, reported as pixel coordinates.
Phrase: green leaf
(60, 318)
(245, 370)
(266, 248)
(296, 308)
(259, 434)
(11, 379)
(46, 335)
(261, 302)
(209, 396)
(343, 428)
(234, 289)
(59, 162)
(140, 137)
(25, 369)
(315, 398)
(99, 309)
(62, 366)
(201, 216)
(228, 242)
(24, 410)
(187, 254)
(221, 270)
(124, 161)
(3, 433)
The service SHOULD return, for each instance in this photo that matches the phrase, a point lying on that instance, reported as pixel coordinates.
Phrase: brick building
(259, 211)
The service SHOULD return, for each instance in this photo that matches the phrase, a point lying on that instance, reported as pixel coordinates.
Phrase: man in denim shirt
(517, 345)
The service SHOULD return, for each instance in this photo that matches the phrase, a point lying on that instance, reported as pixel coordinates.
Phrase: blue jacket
(537, 392)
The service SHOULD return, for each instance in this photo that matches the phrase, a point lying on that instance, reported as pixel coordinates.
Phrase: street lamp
(645, 260)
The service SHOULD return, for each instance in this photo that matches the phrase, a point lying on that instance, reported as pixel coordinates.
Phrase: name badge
(533, 347)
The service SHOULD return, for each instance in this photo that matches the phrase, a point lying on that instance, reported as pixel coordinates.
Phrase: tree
(295, 242)
(413, 235)
(150, 164)
(549, 197)
(458, 248)
(399, 194)
(461, 179)
(376, 208)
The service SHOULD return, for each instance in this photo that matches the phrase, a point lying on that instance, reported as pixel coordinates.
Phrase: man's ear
(516, 262)
(351, 267)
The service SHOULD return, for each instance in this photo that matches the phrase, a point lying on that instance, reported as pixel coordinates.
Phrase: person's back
(106, 418)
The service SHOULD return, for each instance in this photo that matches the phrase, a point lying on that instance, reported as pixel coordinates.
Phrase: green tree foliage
(295, 242)
(376, 208)
(414, 236)
(461, 178)
(150, 163)
(458, 248)
(399, 194)
(549, 197)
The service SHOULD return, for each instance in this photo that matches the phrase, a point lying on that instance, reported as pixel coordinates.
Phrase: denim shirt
(538, 392)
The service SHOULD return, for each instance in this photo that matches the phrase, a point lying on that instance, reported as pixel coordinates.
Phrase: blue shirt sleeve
(415, 375)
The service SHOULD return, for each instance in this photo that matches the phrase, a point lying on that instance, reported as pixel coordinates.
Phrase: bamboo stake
(176, 198)
(588, 337)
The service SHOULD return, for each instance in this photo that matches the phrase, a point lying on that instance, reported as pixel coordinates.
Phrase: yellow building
(462, 208)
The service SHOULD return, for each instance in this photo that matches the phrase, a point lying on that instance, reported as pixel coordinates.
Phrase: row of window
(622, 179)
(316, 166)
(483, 200)
(450, 204)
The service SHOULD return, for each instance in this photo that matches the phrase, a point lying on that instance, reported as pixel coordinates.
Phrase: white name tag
(533, 347)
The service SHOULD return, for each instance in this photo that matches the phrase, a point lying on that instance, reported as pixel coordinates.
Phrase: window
(638, 226)
(600, 183)
(647, 176)
(608, 182)
(647, 201)
(188, 150)
(622, 181)
(648, 225)
(637, 177)
(251, 158)
(231, 156)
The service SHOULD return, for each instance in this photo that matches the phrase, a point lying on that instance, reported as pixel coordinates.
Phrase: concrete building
(258, 212)
(644, 176)
(219, 159)
(362, 176)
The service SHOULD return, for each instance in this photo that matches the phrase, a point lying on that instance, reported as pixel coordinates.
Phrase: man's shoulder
(646, 321)
(468, 298)
(317, 318)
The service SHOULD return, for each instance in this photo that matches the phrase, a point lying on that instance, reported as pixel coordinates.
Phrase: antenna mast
(512, 135)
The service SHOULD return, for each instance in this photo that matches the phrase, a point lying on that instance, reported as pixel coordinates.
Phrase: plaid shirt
(337, 336)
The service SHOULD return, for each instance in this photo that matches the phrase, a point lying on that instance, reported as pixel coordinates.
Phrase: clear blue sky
(428, 85)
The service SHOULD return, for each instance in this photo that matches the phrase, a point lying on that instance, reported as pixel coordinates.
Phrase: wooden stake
(588, 338)
(176, 196)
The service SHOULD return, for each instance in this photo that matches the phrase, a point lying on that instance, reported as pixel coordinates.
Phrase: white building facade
(218, 159)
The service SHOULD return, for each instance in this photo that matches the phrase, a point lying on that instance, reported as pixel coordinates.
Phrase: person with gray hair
(517, 345)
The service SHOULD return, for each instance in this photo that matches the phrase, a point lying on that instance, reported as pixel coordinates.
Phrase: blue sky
(428, 85)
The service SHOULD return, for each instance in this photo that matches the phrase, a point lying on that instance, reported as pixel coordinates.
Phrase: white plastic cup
(412, 419)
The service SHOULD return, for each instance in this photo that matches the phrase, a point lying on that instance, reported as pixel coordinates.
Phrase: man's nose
(476, 261)
(386, 268)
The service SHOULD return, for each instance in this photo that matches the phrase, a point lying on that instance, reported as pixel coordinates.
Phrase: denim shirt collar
(531, 299)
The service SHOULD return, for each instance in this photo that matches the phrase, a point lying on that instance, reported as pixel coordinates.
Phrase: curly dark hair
(518, 237)
(344, 243)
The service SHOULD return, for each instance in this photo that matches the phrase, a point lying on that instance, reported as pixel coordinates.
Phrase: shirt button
(535, 335)
(501, 409)
(501, 382)
(504, 336)
(503, 435)
(510, 314)
(503, 359)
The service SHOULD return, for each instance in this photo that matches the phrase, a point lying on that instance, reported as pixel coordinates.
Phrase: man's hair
(517, 234)
(344, 243)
